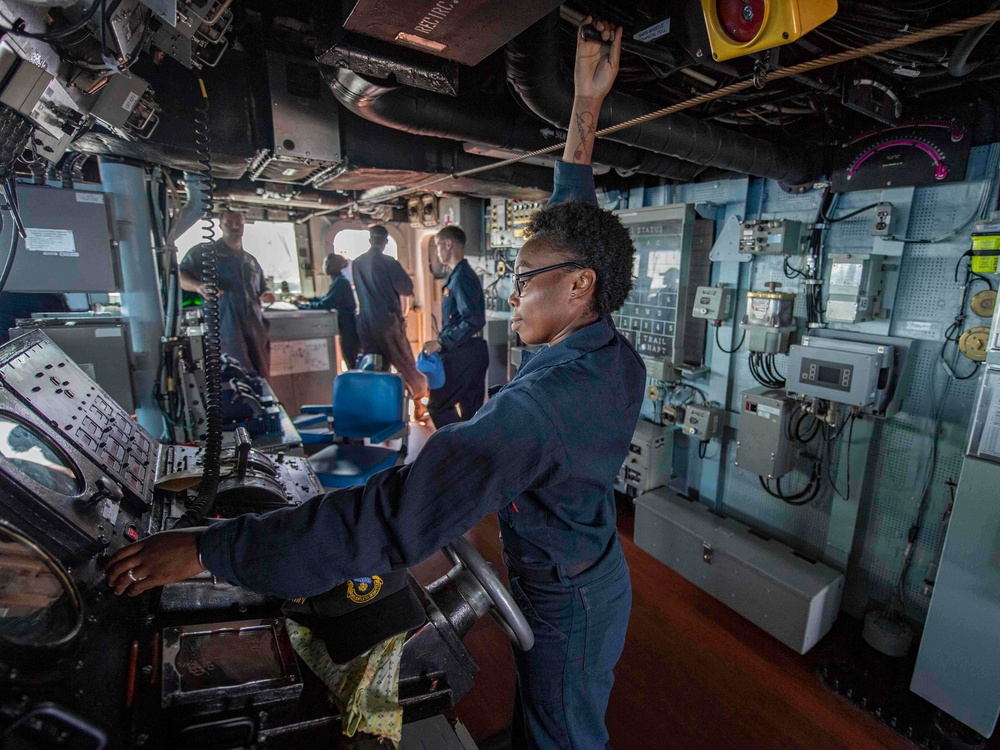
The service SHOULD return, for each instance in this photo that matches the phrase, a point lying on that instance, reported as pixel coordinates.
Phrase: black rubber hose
(959, 64)
(211, 461)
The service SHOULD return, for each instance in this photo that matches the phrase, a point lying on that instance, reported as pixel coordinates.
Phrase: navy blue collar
(455, 270)
(578, 343)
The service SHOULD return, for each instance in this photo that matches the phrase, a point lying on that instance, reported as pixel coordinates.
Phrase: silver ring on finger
(132, 577)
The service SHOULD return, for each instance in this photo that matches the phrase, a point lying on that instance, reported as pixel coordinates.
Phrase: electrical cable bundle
(982, 206)
(895, 606)
(803, 428)
(9, 190)
(14, 134)
(764, 370)
(170, 400)
(804, 496)
(211, 460)
(830, 440)
(814, 267)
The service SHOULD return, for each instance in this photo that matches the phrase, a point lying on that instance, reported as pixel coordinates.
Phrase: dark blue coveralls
(465, 357)
(543, 454)
(380, 281)
(340, 297)
(244, 332)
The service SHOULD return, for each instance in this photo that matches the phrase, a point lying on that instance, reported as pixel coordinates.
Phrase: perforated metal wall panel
(925, 304)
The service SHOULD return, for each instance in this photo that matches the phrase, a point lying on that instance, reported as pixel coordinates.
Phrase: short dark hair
(453, 232)
(596, 239)
(339, 262)
(378, 231)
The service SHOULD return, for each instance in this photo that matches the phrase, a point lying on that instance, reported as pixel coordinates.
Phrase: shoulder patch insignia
(362, 590)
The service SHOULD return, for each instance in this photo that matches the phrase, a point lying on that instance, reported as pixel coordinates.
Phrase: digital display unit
(827, 374)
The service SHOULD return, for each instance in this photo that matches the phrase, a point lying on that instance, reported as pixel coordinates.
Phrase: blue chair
(367, 408)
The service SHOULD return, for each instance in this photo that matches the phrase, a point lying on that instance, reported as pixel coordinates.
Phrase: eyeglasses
(521, 279)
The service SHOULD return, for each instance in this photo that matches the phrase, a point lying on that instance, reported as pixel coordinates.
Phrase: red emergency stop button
(132, 533)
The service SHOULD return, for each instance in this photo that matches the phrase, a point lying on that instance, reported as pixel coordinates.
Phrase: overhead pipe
(536, 70)
(959, 65)
(494, 123)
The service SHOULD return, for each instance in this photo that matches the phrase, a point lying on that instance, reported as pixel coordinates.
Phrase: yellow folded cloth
(365, 690)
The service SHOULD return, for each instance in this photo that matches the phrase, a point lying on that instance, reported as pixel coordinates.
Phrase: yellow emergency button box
(739, 27)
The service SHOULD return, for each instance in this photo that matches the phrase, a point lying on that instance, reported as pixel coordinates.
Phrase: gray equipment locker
(791, 597)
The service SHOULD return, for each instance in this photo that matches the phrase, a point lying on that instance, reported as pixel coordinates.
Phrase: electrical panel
(769, 321)
(853, 373)
(671, 261)
(702, 421)
(772, 237)
(649, 460)
(713, 303)
(305, 122)
(68, 244)
(763, 445)
(855, 288)
(506, 221)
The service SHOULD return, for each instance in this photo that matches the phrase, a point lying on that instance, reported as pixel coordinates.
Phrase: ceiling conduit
(497, 123)
(536, 70)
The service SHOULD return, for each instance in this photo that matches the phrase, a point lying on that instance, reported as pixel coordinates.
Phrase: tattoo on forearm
(584, 130)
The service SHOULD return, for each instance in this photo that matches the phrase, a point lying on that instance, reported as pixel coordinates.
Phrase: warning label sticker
(59, 242)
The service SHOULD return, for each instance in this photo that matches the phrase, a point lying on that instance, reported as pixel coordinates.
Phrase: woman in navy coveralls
(339, 297)
(542, 453)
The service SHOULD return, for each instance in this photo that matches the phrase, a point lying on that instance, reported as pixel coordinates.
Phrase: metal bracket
(727, 244)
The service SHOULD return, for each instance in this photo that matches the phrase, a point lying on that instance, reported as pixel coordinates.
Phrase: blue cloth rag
(433, 369)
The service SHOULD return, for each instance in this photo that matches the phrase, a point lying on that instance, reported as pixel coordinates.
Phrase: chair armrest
(317, 409)
(389, 432)
(308, 421)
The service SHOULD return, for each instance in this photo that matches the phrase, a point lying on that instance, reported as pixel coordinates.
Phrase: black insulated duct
(536, 70)
(377, 59)
(497, 123)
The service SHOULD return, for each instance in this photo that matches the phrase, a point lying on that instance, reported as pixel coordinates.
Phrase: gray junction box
(762, 445)
(650, 458)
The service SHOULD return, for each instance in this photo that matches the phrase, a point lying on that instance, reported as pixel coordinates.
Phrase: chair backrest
(361, 399)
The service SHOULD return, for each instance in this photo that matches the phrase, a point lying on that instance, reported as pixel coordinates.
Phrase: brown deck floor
(694, 673)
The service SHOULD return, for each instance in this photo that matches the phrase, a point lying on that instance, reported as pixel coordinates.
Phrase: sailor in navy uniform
(460, 345)
(543, 454)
